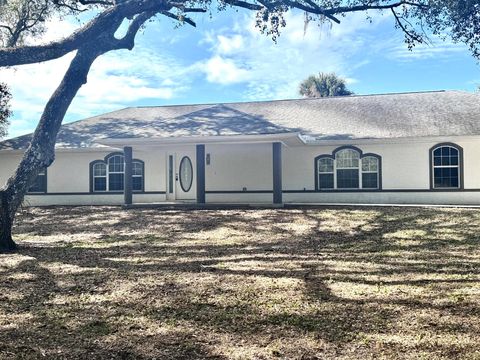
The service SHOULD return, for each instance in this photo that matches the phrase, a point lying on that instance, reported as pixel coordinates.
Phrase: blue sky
(226, 59)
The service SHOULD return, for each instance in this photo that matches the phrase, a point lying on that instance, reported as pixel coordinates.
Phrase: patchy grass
(336, 283)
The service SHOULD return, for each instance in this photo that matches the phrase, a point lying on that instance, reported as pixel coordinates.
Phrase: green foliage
(323, 85)
(457, 20)
(5, 112)
(21, 18)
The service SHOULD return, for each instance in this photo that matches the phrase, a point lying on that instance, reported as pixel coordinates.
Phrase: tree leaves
(5, 112)
(324, 85)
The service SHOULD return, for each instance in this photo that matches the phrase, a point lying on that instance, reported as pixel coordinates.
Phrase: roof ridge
(297, 99)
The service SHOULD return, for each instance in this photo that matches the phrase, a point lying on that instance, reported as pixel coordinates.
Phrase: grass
(323, 283)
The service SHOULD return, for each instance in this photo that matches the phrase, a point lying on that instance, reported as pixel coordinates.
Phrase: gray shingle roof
(443, 113)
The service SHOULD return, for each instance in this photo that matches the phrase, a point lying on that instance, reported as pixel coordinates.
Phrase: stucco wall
(238, 166)
(438, 198)
(235, 167)
(404, 165)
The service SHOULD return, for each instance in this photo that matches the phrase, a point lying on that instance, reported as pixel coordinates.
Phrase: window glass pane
(446, 177)
(370, 180)
(446, 167)
(325, 181)
(100, 184)
(115, 182)
(99, 170)
(347, 158)
(137, 183)
(325, 165)
(445, 156)
(116, 163)
(40, 183)
(370, 163)
(137, 168)
(454, 160)
(170, 174)
(186, 174)
(347, 179)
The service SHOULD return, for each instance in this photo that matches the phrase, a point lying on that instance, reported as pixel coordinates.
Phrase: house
(392, 148)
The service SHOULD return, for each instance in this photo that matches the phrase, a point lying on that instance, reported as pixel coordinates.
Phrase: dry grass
(343, 283)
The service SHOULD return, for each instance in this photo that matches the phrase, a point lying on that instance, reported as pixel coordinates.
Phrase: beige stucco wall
(416, 198)
(404, 165)
(238, 166)
(69, 175)
(233, 167)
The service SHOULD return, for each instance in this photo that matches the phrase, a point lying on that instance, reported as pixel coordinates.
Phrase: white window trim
(359, 168)
(100, 176)
(445, 167)
(115, 172)
(333, 172)
(360, 173)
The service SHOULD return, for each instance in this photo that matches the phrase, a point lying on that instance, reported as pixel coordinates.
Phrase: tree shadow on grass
(218, 284)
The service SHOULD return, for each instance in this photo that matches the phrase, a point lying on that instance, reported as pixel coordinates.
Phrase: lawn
(315, 283)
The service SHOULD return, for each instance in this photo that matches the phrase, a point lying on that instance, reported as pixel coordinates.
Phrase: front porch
(188, 182)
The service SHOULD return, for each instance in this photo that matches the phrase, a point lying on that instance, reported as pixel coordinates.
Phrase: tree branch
(128, 41)
(179, 18)
(347, 9)
(243, 4)
(110, 17)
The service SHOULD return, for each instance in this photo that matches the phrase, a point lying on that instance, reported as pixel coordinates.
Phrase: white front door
(181, 175)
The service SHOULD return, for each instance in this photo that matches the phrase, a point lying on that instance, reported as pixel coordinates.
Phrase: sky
(226, 59)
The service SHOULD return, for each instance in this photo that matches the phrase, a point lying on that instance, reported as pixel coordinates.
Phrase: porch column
(277, 172)
(127, 188)
(200, 174)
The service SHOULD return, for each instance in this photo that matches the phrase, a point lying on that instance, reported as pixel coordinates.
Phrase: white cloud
(269, 70)
(230, 45)
(224, 71)
(436, 50)
(117, 79)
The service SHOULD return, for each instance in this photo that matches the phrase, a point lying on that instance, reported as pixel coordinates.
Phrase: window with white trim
(109, 174)
(370, 172)
(137, 176)
(116, 170)
(446, 167)
(99, 177)
(348, 169)
(326, 177)
(40, 183)
(347, 162)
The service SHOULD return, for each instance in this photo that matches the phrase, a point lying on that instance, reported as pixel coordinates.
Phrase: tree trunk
(41, 152)
(6, 221)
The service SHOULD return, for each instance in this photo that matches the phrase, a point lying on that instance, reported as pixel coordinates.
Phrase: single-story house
(407, 148)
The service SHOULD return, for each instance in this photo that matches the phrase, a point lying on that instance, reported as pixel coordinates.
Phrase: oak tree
(5, 111)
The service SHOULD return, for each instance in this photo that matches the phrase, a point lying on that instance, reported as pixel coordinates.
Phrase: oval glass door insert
(186, 174)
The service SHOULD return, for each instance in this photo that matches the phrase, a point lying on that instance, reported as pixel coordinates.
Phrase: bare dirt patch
(337, 283)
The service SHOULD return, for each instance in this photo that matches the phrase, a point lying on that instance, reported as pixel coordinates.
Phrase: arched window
(347, 168)
(446, 164)
(116, 169)
(109, 174)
